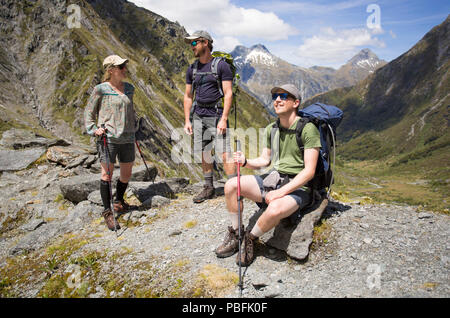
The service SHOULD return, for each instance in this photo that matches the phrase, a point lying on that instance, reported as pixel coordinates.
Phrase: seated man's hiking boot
(207, 193)
(247, 249)
(230, 244)
(109, 220)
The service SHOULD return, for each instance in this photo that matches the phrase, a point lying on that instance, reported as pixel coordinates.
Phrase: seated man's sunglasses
(283, 96)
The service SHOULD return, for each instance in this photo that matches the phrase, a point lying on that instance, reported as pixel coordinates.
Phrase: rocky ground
(66, 250)
(54, 243)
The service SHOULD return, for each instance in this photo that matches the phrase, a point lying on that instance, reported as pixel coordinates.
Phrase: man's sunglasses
(194, 43)
(283, 96)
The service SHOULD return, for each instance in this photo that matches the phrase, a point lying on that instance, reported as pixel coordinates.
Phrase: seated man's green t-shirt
(289, 158)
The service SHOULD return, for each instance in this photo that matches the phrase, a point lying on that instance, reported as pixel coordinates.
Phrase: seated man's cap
(291, 89)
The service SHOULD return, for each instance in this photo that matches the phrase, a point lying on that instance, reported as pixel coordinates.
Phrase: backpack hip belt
(216, 104)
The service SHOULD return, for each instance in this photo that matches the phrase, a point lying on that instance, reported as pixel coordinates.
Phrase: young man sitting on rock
(283, 190)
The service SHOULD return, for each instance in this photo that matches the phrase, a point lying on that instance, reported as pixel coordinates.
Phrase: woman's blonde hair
(107, 74)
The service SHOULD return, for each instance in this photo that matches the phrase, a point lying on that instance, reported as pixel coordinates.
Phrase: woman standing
(111, 106)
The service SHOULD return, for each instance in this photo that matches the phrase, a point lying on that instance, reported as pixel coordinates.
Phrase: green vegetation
(423, 182)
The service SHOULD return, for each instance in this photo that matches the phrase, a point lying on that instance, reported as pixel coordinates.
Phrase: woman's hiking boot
(121, 206)
(109, 220)
(247, 249)
(230, 244)
(207, 193)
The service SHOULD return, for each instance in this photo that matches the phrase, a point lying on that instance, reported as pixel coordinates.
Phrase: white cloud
(334, 48)
(227, 43)
(311, 7)
(221, 18)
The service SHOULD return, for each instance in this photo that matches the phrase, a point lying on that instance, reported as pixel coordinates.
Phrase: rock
(155, 201)
(20, 138)
(167, 188)
(78, 188)
(12, 160)
(292, 238)
(78, 217)
(66, 156)
(367, 240)
(96, 167)
(33, 225)
(140, 173)
(76, 162)
(424, 215)
(89, 161)
(96, 198)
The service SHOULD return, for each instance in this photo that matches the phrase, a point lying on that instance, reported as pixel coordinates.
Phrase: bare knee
(274, 210)
(231, 186)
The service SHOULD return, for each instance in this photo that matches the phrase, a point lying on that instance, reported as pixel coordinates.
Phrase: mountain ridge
(49, 70)
(260, 70)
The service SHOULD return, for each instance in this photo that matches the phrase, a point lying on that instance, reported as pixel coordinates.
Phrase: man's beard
(198, 53)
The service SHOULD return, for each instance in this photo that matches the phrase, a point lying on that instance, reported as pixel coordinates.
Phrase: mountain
(49, 68)
(358, 68)
(402, 109)
(260, 71)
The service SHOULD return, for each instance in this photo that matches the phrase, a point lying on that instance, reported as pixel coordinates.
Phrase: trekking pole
(140, 152)
(106, 150)
(238, 148)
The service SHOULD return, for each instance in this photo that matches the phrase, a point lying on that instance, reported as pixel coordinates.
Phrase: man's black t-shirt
(207, 91)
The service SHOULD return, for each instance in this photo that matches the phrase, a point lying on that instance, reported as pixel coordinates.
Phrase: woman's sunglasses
(122, 66)
(283, 96)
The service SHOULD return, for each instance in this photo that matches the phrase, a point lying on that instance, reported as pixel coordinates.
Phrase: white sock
(256, 231)
(234, 220)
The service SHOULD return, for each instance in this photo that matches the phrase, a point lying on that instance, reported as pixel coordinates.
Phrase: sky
(308, 33)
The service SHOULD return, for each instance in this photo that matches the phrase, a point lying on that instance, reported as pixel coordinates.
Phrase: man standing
(209, 97)
(283, 191)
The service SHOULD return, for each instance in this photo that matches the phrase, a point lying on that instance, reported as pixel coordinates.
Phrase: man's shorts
(205, 135)
(124, 152)
(301, 197)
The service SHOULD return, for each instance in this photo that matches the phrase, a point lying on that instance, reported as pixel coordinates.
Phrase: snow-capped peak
(260, 55)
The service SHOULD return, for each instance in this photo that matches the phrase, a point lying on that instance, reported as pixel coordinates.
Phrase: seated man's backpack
(326, 118)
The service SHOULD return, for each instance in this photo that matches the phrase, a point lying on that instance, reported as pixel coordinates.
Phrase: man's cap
(198, 34)
(291, 89)
(114, 60)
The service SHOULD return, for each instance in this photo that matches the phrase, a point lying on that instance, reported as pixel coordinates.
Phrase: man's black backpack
(326, 118)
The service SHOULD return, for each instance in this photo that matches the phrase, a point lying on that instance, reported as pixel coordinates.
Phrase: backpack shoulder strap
(194, 73)
(299, 129)
(214, 67)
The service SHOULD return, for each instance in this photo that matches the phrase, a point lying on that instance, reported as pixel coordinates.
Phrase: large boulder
(12, 160)
(21, 138)
(77, 189)
(295, 238)
(41, 233)
(68, 157)
(166, 188)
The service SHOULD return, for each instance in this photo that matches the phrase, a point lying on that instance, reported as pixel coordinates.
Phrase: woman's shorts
(124, 152)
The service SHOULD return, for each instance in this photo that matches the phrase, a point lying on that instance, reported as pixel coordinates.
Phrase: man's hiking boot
(230, 244)
(207, 193)
(247, 249)
(109, 220)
